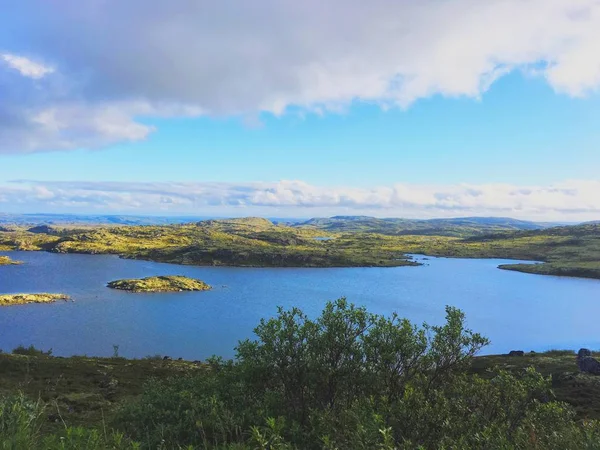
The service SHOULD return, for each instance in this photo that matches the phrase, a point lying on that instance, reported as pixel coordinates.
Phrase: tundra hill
(565, 251)
(250, 242)
(255, 242)
(459, 227)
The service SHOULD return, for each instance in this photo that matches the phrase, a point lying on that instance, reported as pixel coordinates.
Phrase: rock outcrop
(586, 363)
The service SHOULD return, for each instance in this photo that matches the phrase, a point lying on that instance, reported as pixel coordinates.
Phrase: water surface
(516, 311)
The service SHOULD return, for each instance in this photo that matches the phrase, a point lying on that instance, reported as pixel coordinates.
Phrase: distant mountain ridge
(92, 219)
(461, 226)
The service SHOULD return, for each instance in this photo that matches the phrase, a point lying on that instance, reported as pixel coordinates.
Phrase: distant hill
(84, 219)
(460, 227)
(35, 220)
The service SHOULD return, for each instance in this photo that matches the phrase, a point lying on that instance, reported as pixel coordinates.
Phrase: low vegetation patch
(6, 261)
(22, 299)
(160, 284)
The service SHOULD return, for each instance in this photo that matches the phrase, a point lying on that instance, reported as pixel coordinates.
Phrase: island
(6, 261)
(160, 284)
(22, 299)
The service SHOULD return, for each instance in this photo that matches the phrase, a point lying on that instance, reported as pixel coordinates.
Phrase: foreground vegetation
(160, 284)
(22, 299)
(345, 380)
(569, 251)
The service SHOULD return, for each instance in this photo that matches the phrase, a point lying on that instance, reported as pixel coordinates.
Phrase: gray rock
(516, 353)
(588, 364)
(583, 352)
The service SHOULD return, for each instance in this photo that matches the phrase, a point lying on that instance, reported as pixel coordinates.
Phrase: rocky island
(160, 284)
(22, 299)
(6, 261)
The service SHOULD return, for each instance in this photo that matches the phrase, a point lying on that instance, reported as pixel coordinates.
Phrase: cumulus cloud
(239, 58)
(568, 201)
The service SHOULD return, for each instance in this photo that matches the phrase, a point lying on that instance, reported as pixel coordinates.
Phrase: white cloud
(25, 66)
(567, 201)
(240, 58)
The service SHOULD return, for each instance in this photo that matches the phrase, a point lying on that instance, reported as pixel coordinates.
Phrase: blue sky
(471, 121)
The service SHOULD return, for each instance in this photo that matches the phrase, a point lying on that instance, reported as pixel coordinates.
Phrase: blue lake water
(515, 310)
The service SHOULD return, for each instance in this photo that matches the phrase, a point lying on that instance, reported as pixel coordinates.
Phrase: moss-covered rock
(6, 261)
(160, 284)
(22, 299)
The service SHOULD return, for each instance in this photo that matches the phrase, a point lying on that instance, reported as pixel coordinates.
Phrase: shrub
(20, 422)
(31, 351)
(354, 380)
(345, 380)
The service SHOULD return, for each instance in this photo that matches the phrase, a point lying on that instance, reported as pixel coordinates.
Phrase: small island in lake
(22, 299)
(6, 261)
(160, 284)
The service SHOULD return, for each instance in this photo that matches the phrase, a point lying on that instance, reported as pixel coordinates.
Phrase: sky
(280, 108)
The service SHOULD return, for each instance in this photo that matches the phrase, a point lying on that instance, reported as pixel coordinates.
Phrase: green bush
(347, 379)
(354, 380)
(31, 351)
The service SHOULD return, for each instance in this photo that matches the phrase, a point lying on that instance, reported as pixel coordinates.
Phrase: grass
(82, 390)
(89, 391)
(160, 284)
(580, 390)
(22, 299)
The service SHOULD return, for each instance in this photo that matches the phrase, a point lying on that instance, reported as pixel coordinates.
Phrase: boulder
(588, 364)
(583, 352)
(516, 353)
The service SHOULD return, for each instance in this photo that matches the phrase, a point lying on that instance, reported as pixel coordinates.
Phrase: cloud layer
(568, 201)
(83, 73)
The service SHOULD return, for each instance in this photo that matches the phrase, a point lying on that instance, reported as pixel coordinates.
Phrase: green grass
(84, 391)
(582, 391)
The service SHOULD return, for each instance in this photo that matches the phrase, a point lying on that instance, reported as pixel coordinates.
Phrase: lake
(515, 311)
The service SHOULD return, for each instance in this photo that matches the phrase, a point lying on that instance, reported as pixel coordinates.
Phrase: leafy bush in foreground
(354, 380)
(345, 380)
